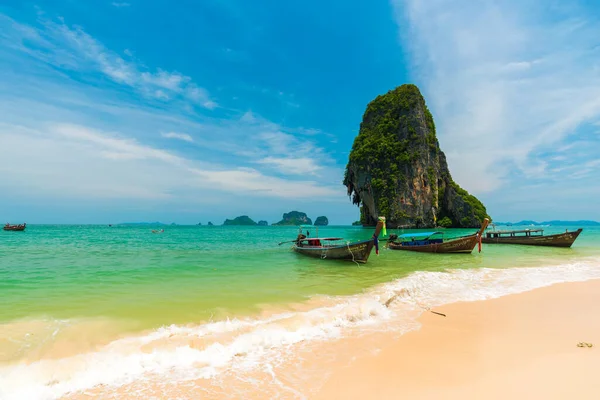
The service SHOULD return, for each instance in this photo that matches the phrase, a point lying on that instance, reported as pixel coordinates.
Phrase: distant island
(552, 223)
(142, 224)
(210, 223)
(263, 223)
(356, 223)
(241, 220)
(294, 218)
(321, 221)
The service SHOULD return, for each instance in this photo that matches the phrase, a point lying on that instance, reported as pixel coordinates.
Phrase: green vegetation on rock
(241, 220)
(321, 221)
(476, 205)
(397, 170)
(294, 218)
(445, 222)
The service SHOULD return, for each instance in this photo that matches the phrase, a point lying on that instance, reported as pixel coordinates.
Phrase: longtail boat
(9, 227)
(325, 248)
(532, 237)
(433, 242)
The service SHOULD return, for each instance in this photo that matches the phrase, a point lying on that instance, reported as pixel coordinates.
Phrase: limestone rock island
(396, 168)
(241, 220)
(321, 221)
(294, 218)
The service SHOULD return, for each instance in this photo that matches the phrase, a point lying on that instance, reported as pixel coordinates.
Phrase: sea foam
(182, 353)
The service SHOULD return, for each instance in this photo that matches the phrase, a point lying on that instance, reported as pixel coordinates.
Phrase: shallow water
(113, 304)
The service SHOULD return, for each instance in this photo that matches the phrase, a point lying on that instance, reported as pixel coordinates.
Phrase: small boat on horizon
(531, 237)
(324, 248)
(434, 242)
(18, 228)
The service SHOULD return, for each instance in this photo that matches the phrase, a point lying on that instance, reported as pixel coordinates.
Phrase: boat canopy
(325, 238)
(534, 230)
(418, 234)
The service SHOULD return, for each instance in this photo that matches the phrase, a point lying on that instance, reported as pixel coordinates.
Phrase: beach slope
(518, 346)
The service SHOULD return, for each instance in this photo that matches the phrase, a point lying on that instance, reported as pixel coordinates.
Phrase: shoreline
(520, 345)
(348, 346)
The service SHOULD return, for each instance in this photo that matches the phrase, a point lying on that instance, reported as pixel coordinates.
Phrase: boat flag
(382, 219)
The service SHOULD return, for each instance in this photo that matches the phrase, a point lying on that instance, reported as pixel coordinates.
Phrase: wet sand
(518, 346)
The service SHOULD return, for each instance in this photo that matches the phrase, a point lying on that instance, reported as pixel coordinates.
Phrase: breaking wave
(182, 353)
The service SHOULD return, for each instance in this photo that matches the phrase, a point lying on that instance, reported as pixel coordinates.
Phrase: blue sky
(193, 111)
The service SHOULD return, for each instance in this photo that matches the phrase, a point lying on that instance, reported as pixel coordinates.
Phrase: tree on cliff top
(396, 168)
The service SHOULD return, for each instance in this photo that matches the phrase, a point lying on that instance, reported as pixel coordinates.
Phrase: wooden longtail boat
(323, 248)
(9, 227)
(531, 237)
(433, 242)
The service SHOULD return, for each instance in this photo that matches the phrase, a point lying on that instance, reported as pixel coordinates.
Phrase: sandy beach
(518, 346)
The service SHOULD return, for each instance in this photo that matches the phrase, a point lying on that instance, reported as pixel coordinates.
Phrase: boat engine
(300, 237)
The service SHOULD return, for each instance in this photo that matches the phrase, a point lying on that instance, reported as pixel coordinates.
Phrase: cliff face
(396, 168)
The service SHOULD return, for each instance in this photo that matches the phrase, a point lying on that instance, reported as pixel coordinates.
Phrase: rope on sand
(406, 291)
(584, 344)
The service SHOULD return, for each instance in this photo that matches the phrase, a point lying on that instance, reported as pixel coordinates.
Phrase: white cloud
(293, 166)
(70, 47)
(171, 81)
(592, 163)
(75, 161)
(310, 131)
(248, 117)
(159, 94)
(504, 80)
(277, 142)
(250, 180)
(181, 136)
(200, 96)
(120, 5)
(113, 143)
(85, 140)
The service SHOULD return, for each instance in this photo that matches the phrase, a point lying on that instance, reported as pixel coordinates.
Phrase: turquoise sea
(102, 283)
